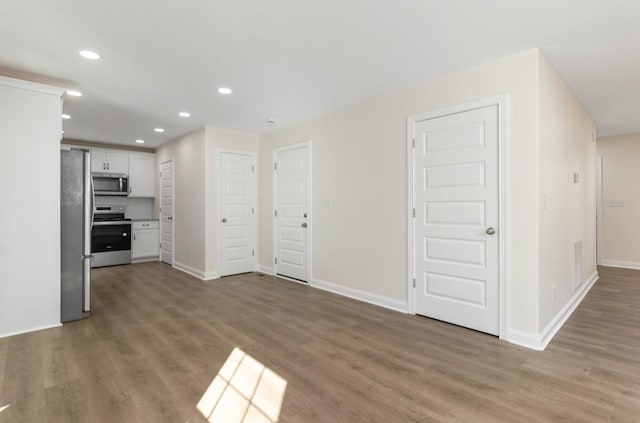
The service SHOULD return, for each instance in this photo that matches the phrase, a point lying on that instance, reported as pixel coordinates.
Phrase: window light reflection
(243, 391)
(4, 408)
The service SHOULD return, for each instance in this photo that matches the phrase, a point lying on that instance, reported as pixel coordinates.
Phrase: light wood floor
(157, 338)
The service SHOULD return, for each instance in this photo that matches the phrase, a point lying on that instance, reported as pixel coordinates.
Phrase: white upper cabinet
(107, 161)
(141, 175)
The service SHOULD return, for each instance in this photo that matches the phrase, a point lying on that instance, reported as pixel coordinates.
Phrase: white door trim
(218, 152)
(274, 182)
(173, 208)
(502, 102)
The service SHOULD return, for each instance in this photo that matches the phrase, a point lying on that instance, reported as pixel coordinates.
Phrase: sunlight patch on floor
(4, 408)
(243, 391)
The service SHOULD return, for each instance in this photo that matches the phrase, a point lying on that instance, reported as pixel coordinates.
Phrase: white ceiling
(294, 60)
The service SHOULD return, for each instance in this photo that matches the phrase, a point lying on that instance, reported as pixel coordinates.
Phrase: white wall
(359, 164)
(30, 128)
(620, 176)
(188, 155)
(195, 210)
(567, 146)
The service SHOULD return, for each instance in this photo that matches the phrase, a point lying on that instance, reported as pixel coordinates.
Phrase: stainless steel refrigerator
(76, 216)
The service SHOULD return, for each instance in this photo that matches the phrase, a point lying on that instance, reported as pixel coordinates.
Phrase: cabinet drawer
(151, 224)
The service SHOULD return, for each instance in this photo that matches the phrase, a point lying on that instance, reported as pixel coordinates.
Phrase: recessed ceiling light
(224, 90)
(65, 116)
(159, 130)
(140, 141)
(184, 114)
(74, 93)
(89, 54)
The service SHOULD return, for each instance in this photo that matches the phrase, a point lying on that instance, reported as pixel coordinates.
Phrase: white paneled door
(291, 212)
(456, 244)
(166, 212)
(237, 210)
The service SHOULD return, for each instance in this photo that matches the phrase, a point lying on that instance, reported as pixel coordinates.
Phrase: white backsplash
(135, 208)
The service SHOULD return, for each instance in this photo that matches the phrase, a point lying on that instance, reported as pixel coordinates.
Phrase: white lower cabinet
(145, 240)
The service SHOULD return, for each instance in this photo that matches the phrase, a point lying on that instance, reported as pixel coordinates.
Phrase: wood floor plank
(158, 338)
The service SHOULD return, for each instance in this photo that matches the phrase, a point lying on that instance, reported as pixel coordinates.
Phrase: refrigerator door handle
(86, 286)
(93, 200)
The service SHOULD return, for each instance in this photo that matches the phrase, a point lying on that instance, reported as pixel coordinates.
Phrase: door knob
(170, 218)
(304, 225)
(224, 220)
(490, 231)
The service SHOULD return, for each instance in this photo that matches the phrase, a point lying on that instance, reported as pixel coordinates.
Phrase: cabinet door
(118, 163)
(98, 161)
(145, 243)
(141, 175)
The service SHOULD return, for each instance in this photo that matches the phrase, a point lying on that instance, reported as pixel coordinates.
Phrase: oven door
(110, 236)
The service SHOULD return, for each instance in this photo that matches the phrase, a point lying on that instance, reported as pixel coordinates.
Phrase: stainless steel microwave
(110, 184)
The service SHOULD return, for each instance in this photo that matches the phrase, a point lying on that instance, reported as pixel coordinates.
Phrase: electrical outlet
(615, 203)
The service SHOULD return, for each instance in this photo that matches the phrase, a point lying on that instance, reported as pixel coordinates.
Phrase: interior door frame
(218, 196)
(173, 208)
(274, 203)
(502, 102)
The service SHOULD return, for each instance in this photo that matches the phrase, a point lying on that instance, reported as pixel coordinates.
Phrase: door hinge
(276, 260)
(161, 245)
(253, 253)
(275, 213)
(253, 168)
(414, 282)
(253, 211)
(275, 166)
(414, 213)
(413, 142)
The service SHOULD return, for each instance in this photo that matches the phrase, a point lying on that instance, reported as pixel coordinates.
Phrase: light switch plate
(615, 203)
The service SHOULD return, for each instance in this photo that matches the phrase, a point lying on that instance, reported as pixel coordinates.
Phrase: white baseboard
(209, 276)
(205, 276)
(357, 294)
(265, 269)
(20, 332)
(621, 263)
(540, 341)
(143, 260)
(188, 269)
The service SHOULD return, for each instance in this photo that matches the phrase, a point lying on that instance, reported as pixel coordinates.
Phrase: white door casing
(166, 211)
(237, 200)
(292, 211)
(456, 233)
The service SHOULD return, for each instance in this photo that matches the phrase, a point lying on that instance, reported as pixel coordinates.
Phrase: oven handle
(111, 223)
